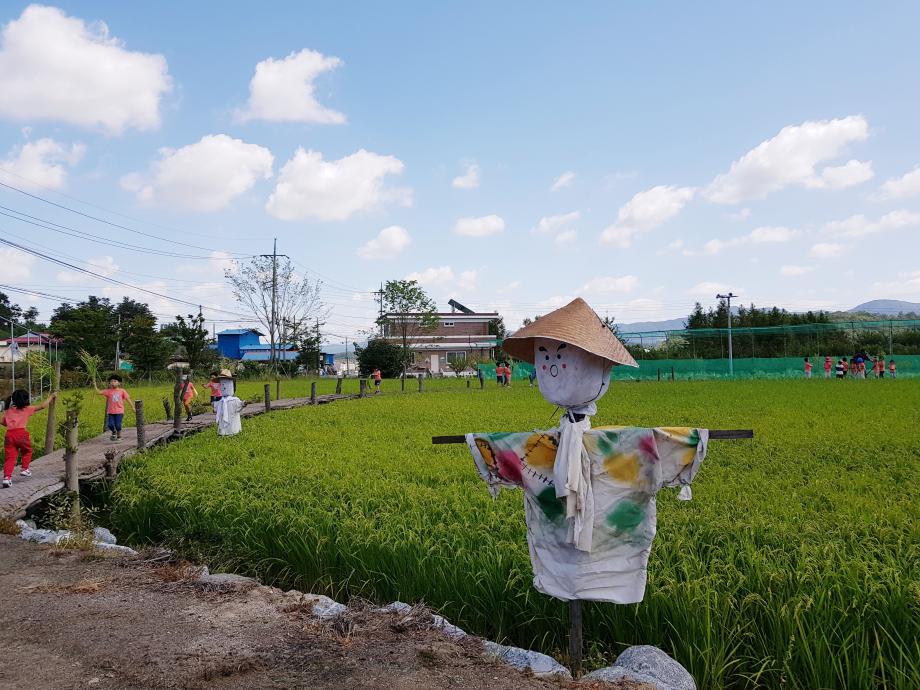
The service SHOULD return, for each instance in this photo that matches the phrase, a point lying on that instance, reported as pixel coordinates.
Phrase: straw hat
(225, 374)
(575, 323)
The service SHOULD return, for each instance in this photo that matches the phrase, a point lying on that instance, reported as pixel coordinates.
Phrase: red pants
(16, 441)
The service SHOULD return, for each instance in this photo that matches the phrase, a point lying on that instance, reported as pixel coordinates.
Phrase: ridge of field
(797, 564)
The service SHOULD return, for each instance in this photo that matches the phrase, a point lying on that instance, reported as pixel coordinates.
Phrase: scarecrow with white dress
(229, 406)
(589, 493)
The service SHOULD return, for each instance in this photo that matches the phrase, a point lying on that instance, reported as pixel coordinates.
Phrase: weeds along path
(797, 564)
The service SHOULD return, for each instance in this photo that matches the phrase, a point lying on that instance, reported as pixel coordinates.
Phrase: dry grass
(8, 526)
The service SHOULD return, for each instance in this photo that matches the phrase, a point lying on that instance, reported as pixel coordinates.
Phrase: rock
(452, 631)
(117, 548)
(646, 664)
(41, 536)
(397, 607)
(323, 606)
(101, 534)
(227, 580)
(541, 665)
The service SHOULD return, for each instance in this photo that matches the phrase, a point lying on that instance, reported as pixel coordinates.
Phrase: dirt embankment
(77, 620)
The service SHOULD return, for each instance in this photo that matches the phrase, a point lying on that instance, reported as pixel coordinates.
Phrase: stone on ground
(646, 664)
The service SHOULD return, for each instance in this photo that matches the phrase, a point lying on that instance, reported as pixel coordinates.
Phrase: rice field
(797, 564)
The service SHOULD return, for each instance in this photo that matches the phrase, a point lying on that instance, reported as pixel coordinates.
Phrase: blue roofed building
(230, 343)
(262, 352)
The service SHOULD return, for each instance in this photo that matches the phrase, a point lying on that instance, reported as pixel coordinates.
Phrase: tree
(296, 299)
(497, 328)
(309, 346)
(86, 326)
(408, 314)
(382, 354)
(193, 337)
(148, 349)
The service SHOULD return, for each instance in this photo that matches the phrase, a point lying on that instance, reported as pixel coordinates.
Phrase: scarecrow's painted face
(226, 388)
(569, 376)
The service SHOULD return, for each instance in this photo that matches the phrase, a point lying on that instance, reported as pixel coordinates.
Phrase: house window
(448, 324)
(455, 356)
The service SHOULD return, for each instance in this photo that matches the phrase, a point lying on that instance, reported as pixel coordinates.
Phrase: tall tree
(193, 337)
(87, 325)
(282, 301)
(147, 348)
(408, 313)
(309, 347)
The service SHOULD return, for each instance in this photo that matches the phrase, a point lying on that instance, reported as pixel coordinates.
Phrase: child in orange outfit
(827, 366)
(892, 369)
(213, 387)
(17, 442)
(115, 396)
(808, 366)
(188, 396)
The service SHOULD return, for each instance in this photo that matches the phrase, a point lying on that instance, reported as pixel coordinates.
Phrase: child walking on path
(115, 396)
(214, 387)
(188, 396)
(808, 366)
(17, 443)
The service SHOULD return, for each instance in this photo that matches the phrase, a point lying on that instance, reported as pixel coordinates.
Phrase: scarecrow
(228, 408)
(589, 493)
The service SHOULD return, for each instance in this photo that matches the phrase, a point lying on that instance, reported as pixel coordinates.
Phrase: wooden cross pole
(576, 644)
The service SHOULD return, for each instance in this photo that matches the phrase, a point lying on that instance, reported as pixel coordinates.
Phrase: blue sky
(641, 155)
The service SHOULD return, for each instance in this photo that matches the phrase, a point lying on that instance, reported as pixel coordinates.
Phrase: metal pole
(274, 292)
(13, 354)
(728, 298)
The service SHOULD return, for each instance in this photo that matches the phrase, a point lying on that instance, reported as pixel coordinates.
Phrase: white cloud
(793, 271)
(762, 235)
(565, 238)
(907, 185)
(40, 164)
(860, 226)
(221, 261)
(608, 284)
(842, 176)
(103, 265)
(17, 265)
(467, 280)
(827, 250)
(440, 276)
(564, 180)
(282, 90)
(708, 289)
(907, 285)
(743, 214)
(553, 224)
(389, 242)
(310, 187)
(479, 227)
(55, 67)
(646, 211)
(204, 176)
(790, 158)
(469, 179)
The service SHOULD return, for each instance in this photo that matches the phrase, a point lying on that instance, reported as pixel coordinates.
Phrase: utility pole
(379, 296)
(274, 297)
(728, 298)
(346, 358)
(118, 345)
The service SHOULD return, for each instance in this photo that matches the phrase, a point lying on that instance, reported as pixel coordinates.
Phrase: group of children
(17, 444)
(855, 367)
(503, 374)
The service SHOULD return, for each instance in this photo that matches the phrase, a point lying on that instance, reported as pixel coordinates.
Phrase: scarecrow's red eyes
(544, 366)
(563, 365)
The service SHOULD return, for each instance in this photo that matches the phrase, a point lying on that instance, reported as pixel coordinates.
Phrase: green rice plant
(797, 564)
(91, 365)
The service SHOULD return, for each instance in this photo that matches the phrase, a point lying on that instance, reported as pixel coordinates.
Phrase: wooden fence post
(71, 473)
(659, 373)
(672, 373)
(575, 636)
(268, 397)
(468, 382)
(278, 389)
(338, 386)
(139, 421)
(482, 382)
(110, 465)
(402, 382)
(421, 383)
(51, 425)
(177, 400)
(313, 393)
(362, 388)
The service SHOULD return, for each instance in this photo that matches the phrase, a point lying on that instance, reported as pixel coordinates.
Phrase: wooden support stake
(277, 389)
(575, 637)
(268, 397)
(362, 387)
(659, 373)
(71, 474)
(421, 383)
(468, 383)
(482, 382)
(177, 400)
(111, 467)
(313, 393)
(672, 373)
(338, 386)
(51, 425)
(402, 382)
(139, 421)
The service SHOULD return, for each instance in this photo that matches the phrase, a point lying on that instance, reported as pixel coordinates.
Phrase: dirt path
(77, 620)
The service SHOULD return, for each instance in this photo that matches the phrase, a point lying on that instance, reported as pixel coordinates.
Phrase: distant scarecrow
(589, 493)
(229, 406)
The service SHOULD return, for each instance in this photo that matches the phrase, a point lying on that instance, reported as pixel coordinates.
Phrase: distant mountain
(887, 307)
(646, 326)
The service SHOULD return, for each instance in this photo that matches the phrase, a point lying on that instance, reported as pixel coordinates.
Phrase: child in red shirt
(892, 369)
(188, 396)
(116, 397)
(213, 387)
(17, 442)
(827, 367)
(808, 366)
